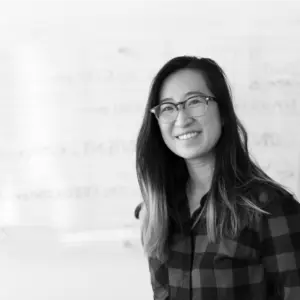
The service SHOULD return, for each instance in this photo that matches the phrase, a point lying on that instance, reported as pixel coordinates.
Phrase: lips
(194, 131)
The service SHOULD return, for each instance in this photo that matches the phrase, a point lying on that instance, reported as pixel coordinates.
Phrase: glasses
(195, 106)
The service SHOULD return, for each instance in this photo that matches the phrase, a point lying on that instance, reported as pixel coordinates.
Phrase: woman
(214, 225)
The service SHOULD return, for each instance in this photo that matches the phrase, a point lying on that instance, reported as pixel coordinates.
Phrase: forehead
(181, 82)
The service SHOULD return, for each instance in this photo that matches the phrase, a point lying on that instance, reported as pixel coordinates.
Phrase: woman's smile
(189, 136)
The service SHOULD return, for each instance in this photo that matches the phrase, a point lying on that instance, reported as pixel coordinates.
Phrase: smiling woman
(213, 223)
(200, 116)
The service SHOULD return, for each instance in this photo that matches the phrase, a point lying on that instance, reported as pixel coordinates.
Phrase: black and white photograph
(149, 149)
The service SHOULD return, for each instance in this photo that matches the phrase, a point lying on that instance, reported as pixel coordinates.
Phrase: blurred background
(74, 79)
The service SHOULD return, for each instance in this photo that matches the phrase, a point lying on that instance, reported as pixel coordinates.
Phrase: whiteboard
(74, 83)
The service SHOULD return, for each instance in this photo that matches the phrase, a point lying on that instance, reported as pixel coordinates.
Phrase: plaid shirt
(261, 264)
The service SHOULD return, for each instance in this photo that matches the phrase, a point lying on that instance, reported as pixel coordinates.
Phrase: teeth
(187, 136)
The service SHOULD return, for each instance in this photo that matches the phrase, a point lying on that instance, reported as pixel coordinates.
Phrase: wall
(74, 81)
(74, 78)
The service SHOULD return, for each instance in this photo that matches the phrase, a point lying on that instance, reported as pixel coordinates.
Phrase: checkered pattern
(261, 264)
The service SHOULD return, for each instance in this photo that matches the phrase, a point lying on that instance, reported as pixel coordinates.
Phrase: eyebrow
(187, 94)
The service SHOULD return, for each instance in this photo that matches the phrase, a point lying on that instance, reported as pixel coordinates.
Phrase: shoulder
(280, 203)
(282, 219)
(140, 211)
(274, 198)
(137, 210)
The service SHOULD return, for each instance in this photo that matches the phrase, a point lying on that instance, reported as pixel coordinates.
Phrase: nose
(183, 118)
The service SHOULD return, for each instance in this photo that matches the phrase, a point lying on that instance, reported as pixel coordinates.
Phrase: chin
(188, 155)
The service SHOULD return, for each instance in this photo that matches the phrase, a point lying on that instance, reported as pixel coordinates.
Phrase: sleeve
(158, 275)
(280, 249)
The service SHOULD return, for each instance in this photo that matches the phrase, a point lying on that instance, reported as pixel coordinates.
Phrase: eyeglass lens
(195, 106)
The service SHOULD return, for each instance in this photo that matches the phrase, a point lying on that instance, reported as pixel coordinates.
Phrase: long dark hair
(239, 188)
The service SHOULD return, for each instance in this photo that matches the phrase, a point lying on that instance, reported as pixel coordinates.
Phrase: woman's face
(175, 87)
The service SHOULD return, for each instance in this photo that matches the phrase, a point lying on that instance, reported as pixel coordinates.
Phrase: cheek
(213, 131)
(212, 126)
(169, 141)
(166, 133)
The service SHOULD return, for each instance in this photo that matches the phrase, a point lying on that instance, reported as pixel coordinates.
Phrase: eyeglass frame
(206, 98)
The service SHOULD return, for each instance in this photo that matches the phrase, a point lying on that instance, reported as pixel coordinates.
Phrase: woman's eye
(167, 108)
(195, 101)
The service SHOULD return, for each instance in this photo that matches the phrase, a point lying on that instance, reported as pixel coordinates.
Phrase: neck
(201, 172)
